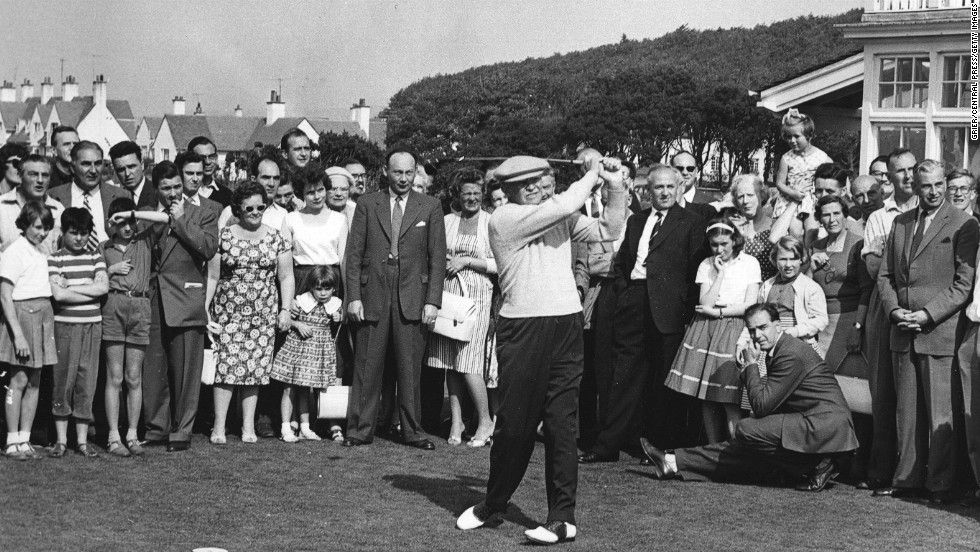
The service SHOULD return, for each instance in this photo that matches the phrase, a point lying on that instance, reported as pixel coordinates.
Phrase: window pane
(950, 95)
(886, 95)
(950, 66)
(920, 95)
(951, 145)
(889, 138)
(915, 140)
(887, 70)
(964, 95)
(903, 95)
(904, 70)
(964, 67)
(922, 69)
(974, 156)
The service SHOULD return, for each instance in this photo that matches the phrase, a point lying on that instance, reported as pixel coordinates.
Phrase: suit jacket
(704, 210)
(107, 191)
(937, 279)
(421, 254)
(180, 260)
(148, 198)
(675, 253)
(221, 196)
(802, 396)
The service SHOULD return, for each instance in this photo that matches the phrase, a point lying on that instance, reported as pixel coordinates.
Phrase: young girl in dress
(308, 358)
(794, 178)
(705, 364)
(27, 338)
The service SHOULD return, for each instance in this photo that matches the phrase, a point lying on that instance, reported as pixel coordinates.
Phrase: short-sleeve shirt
(138, 253)
(27, 269)
(742, 272)
(80, 268)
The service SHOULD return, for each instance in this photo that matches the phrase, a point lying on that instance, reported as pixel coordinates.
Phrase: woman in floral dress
(244, 300)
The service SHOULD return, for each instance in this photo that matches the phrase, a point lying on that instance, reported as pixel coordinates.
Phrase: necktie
(656, 225)
(919, 230)
(93, 238)
(595, 207)
(396, 225)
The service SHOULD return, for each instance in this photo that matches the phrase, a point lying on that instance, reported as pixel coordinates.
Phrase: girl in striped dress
(705, 364)
(308, 358)
(469, 261)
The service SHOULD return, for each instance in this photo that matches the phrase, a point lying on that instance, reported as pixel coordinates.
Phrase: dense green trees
(634, 98)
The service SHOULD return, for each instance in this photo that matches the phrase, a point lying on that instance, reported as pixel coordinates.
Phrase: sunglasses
(252, 209)
(681, 168)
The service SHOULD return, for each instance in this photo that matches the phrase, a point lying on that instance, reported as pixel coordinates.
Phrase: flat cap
(520, 167)
(340, 171)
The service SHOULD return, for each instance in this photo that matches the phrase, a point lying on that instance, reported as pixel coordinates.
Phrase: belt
(393, 260)
(130, 293)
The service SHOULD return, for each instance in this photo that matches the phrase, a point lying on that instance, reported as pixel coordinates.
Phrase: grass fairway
(387, 497)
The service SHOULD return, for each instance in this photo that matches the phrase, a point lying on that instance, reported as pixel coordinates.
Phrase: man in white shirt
(210, 187)
(35, 173)
(266, 171)
(357, 171)
(127, 162)
(690, 196)
(296, 149)
(866, 193)
(87, 190)
(961, 191)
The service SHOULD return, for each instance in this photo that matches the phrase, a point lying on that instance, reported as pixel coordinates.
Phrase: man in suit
(925, 281)
(175, 356)
(209, 187)
(87, 190)
(63, 139)
(961, 191)
(801, 421)
(690, 195)
(396, 264)
(655, 270)
(127, 162)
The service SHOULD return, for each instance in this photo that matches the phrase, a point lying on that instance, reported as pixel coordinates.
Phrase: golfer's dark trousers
(642, 356)
(752, 455)
(540, 369)
(884, 400)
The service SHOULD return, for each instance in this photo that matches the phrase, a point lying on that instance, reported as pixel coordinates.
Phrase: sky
(327, 53)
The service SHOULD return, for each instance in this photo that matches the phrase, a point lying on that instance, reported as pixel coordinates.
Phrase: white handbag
(333, 402)
(457, 316)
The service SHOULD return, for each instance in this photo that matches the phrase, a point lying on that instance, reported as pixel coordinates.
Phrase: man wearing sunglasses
(10, 158)
(690, 196)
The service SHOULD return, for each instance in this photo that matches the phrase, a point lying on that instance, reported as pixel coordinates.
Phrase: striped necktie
(93, 238)
(396, 225)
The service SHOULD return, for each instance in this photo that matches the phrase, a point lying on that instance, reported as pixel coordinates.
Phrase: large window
(958, 151)
(913, 138)
(903, 82)
(956, 81)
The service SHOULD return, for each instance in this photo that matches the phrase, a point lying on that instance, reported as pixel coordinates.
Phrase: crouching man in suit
(801, 421)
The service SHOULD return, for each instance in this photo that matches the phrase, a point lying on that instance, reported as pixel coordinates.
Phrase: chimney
(26, 90)
(7, 92)
(198, 110)
(179, 105)
(69, 89)
(360, 113)
(99, 90)
(238, 111)
(275, 109)
(47, 90)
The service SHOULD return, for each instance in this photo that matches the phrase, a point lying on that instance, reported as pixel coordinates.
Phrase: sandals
(134, 447)
(479, 443)
(58, 450)
(337, 435)
(218, 439)
(308, 435)
(15, 452)
(118, 450)
(249, 438)
(454, 440)
(87, 450)
(287, 437)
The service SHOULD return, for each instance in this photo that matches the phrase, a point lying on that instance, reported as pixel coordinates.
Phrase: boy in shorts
(126, 317)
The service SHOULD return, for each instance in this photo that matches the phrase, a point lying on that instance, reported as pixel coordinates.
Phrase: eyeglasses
(361, 176)
(254, 208)
(682, 168)
(964, 190)
(13, 161)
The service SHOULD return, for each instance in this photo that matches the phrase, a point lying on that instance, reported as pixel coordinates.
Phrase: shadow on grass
(454, 495)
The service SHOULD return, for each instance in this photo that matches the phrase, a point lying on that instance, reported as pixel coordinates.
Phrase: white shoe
(552, 533)
(308, 435)
(474, 516)
(289, 437)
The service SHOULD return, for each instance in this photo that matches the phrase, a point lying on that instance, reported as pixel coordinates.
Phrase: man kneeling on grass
(801, 421)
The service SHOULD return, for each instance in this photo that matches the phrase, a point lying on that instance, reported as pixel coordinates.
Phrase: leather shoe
(353, 442)
(895, 492)
(263, 428)
(942, 497)
(423, 444)
(658, 460)
(824, 473)
(178, 446)
(552, 532)
(474, 516)
(595, 458)
(871, 484)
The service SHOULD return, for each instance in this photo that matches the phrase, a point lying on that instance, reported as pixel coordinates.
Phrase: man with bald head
(655, 270)
(925, 281)
(689, 195)
(866, 193)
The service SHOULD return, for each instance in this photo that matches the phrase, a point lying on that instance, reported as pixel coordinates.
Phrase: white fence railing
(916, 5)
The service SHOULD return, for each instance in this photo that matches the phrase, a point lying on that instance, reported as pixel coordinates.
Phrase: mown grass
(388, 497)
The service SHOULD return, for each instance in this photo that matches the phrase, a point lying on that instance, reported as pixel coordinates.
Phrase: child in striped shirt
(78, 282)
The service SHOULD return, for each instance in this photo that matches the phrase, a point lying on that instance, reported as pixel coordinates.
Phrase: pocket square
(947, 239)
(421, 223)
(192, 285)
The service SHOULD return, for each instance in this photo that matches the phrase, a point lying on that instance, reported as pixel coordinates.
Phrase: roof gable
(272, 134)
(185, 128)
(232, 133)
(12, 112)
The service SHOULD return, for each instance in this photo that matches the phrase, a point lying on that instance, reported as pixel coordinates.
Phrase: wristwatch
(857, 326)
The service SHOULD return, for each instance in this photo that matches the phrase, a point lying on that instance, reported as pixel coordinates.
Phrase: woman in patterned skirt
(243, 297)
(469, 262)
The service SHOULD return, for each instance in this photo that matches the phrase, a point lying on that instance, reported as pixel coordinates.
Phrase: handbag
(856, 389)
(456, 318)
(333, 402)
(209, 368)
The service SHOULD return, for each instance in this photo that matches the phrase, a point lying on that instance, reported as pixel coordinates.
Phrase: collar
(404, 196)
(690, 194)
(929, 214)
(194, 200)
(77, 190)
(138, 190)
(892, 205)
(774, 345)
